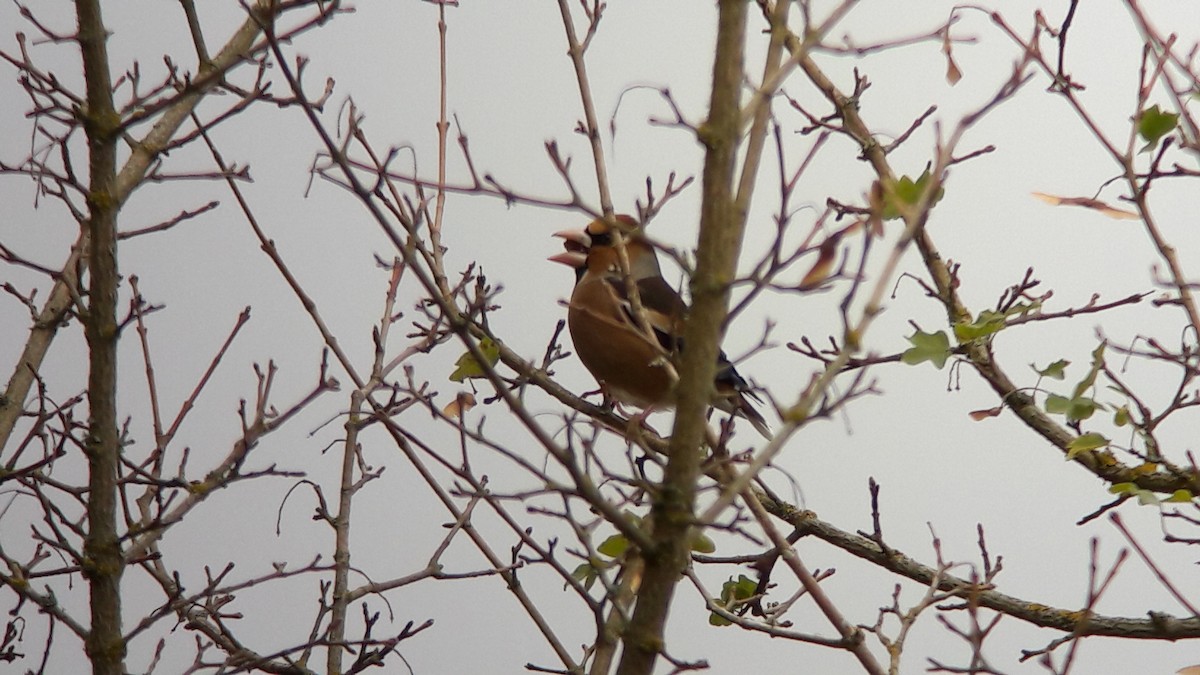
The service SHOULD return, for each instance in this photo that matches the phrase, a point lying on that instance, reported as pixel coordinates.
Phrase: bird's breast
(633, 370)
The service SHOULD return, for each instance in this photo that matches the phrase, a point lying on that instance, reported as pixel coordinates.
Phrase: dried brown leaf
(875, 201)
(953, 74)
(460, 405)
(821, 269)
(1087, 203)
(980, 415)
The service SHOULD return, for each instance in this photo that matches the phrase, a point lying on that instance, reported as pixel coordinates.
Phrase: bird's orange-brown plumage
(633, 366)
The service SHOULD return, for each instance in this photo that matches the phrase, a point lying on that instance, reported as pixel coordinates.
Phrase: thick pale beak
(570, 259)
(576, 243)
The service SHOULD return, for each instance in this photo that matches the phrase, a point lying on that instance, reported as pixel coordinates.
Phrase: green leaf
(1076, 409)
(1081, 409)
(466, 367)
(715, 619)
(933, 347)
(1023, 308)
(701, 543)
(1057, 405)
(1090, 379)
(1143, 496)
(985, 324)
(585, 574)
(1084, 443)
(1121, 417)
(1054, 371)
(614, 546)
(1180, 495)
(732, 593)
(1153, 124)
(990, 321)
(906, 192)
(737, 589)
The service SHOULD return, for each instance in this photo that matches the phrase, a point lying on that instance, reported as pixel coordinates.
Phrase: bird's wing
(665, 310)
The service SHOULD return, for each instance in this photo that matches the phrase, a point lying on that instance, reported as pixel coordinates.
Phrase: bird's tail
(735, 396)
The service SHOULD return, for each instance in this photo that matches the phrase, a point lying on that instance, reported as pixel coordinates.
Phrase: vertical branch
(102, 562)
(443, 126)
(762, 107)
(608, 637)
(342, 595)
(720, 240)
(589, 108)
(341, 527)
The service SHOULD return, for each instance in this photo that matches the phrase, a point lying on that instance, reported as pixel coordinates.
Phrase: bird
(632, 367)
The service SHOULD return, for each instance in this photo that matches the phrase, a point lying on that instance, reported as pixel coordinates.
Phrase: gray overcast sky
(511, 89)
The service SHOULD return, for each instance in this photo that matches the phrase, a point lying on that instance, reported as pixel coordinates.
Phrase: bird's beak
(570, 259)
(576, 243)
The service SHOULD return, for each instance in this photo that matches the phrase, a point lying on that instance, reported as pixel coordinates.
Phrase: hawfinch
(629, 365)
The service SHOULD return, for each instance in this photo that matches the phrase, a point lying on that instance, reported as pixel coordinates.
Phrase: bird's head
(594, 247)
